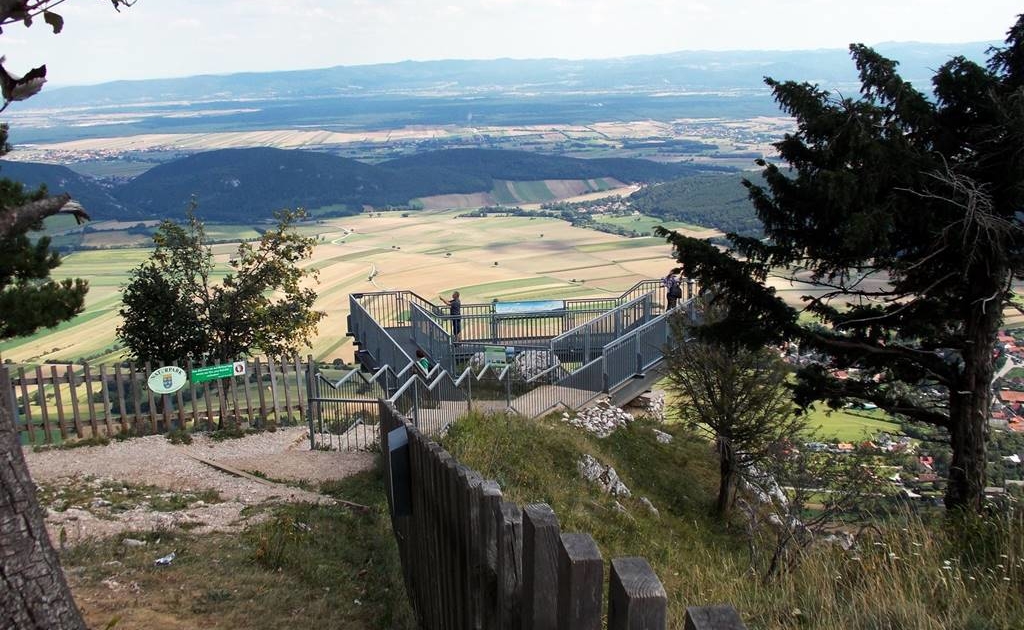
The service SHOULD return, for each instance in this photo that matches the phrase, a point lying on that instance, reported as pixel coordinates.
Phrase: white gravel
(153, 460)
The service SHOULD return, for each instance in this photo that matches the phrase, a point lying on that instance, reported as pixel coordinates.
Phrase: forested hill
(719, 201)
(250, 184)
(97, 200)
(524, 166)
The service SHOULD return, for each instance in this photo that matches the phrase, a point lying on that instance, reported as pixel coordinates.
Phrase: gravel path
(281, 455)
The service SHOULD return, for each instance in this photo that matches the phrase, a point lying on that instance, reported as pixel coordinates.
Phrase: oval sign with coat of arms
(167, 380)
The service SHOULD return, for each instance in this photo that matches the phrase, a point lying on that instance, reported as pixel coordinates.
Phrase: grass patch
(305, 566)
(850, 425)
(105, 497)
(913, 574)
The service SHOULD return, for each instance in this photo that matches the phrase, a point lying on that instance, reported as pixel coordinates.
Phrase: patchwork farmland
(431, 252)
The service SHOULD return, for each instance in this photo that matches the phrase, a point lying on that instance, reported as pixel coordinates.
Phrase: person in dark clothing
(455, 309)
(674, 287)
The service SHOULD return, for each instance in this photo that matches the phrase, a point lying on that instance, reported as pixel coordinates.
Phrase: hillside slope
(96, 199)
(250, 184)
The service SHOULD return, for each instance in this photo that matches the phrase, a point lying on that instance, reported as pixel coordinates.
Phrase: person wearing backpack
(674, 287)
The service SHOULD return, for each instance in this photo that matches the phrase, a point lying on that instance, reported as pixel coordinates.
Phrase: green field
(849, 425)
(644, 224)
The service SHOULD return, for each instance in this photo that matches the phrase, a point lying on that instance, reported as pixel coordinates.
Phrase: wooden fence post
(540, 567)
(713, 618)
(43, 411)
(57, 400)
(91, 403)
(510, 566)
(26, 402)
(490, 507)
(75, 413)
(636, 598)
(580, 581)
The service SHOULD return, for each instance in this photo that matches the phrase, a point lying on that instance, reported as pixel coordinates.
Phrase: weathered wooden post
(713, 618)
(636, 597)
(580, 581)
(540, 567)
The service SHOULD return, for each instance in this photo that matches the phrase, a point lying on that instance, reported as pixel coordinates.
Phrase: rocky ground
(149, 483)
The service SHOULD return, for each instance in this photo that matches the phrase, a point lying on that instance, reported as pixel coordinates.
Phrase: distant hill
(688, 84)
(250, 184)
(719, 201)
(96, 199)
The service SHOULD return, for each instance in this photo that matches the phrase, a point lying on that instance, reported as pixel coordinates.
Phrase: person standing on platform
(455, 310)
(674, 287)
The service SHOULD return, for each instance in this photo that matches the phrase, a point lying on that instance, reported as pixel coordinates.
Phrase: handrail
(582, 326)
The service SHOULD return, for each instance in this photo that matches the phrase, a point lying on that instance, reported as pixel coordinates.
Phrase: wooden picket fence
(52, 404)
(472, 560)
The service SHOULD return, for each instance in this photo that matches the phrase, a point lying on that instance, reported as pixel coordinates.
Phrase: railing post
(690, 287)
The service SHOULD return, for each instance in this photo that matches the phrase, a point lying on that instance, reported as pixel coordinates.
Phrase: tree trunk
(969, 404)
(34, 592)
(727, 477)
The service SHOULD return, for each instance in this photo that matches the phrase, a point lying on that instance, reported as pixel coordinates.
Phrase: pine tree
(900, 212)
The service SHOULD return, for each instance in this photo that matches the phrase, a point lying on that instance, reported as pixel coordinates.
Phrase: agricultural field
(429, 252)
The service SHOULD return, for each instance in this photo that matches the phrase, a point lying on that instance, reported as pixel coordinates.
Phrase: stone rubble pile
(601, 420)
(605, 476)
(525, 365)
(651, 405)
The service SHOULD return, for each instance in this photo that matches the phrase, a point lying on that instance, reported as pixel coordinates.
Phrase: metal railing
(571, 366)
(372, 336)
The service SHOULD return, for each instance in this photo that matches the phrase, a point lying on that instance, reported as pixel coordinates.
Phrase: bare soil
(89, 484)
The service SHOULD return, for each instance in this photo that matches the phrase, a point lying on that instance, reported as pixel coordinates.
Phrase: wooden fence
(472, 560)
(55, 403)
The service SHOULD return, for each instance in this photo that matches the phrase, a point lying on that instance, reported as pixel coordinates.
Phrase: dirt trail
(99, 479)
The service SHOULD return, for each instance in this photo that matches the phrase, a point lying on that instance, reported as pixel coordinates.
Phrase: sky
(174, 38)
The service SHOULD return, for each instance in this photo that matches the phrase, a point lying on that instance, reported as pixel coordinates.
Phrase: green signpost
(214, 372)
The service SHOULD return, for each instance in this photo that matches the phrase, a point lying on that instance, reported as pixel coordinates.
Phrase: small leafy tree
(738, 397)
(173, 310)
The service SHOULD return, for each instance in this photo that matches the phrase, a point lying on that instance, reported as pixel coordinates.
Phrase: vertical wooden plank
(470, 513)
(580, 581)
(90, 402)
(234, 398)
(43, 411)
(105, 399)
(165, 404)
(541, 540)
(299, 385)
(713, 618)
(490, 508)
(222, 405)
(9, 398)
(27, 404)
(119, 382)
(636, 598)
(61, 420)
(179, 400)
(153, 422)
(258, 368)
(189, 366)
(253, 420)
(510, 566)
(73, 390)
(273, 389)
(136, 418)
(209, 402)
(287, 390)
